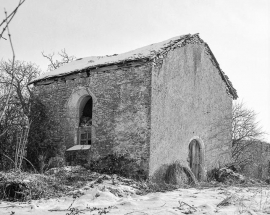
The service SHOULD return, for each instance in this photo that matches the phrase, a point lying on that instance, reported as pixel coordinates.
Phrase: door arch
(196, 158)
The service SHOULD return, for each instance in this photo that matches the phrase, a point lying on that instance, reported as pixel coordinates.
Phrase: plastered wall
(189, 100)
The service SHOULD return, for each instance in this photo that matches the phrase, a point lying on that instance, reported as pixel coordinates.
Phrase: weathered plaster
(188, 99)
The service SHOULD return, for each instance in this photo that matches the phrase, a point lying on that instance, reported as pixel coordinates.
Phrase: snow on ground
(117, 198)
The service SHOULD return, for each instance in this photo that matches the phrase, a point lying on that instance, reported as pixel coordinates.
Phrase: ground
(115, 195)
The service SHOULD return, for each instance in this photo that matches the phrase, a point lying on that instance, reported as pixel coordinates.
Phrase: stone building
(160, 104)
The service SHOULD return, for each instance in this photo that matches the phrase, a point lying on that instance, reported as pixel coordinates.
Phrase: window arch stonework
(75, 106)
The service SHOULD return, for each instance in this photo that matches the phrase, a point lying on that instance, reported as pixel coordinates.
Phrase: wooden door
(195, 158)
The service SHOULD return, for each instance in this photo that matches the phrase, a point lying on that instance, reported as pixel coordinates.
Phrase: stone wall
(189, 101)
(121, 109)
(181, 99)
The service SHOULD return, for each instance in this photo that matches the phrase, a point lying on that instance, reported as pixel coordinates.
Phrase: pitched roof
(95, 61)
(145, 53)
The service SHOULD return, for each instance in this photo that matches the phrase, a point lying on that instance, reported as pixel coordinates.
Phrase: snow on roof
(79, 147)
(145, 53)
(95, 61)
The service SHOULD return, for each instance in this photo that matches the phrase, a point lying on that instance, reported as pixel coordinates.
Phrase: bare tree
(5, 27)
(6, 89)
(245, 132)
(5, 23)
(15, 122)
(64, 59)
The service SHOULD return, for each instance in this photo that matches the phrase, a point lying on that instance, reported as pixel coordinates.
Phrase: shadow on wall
(175, 173)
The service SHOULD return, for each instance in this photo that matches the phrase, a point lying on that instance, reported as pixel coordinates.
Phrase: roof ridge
(151, 52)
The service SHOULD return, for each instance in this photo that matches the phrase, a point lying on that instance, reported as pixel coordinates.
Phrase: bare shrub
(178, 174)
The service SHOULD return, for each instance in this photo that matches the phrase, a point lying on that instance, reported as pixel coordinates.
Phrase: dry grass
(62, 181)
(23, 186)
(177, 174)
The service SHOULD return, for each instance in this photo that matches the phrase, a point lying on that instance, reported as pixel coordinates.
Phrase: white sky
(237, 31)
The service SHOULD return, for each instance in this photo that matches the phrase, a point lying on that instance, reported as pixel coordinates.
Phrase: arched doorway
(196, 158)
(85, 121)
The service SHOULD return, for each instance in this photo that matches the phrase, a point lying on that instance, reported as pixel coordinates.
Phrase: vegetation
(118, 164)
(178, 174)
(22, 135)
(15, 120)
(245, 132)
(14, 123)
(56, 182)
(64, 59)
(41, 148)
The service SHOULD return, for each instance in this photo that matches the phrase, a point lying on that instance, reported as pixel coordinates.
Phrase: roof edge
(182, 40)
(102, 66)
(224, 77)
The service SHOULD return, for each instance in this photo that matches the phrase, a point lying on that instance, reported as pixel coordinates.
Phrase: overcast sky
(237, 31)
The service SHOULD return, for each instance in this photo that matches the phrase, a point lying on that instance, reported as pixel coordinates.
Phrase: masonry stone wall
(189, 101)
(121, 110)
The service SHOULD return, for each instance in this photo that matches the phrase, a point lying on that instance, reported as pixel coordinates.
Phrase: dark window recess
(86, 118)
(85, 125)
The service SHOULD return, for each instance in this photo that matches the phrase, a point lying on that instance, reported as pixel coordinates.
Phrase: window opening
(86, 115)
(85, 124)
